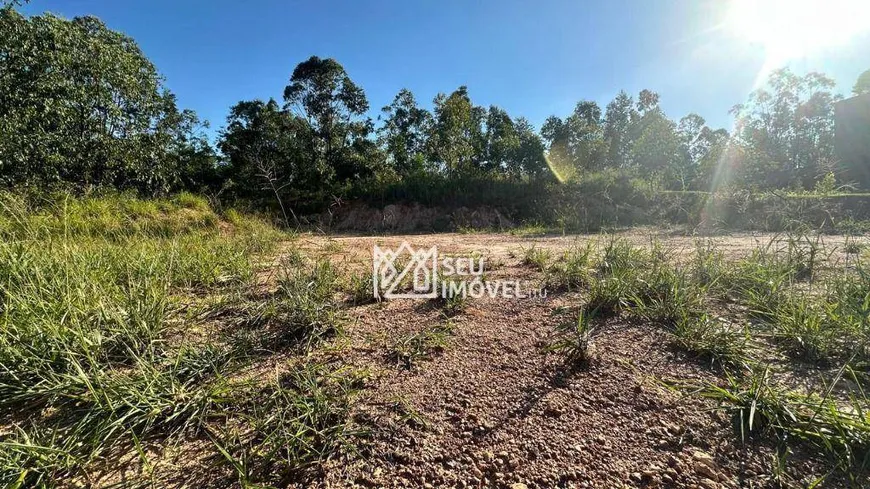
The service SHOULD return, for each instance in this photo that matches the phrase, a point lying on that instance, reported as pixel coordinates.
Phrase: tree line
(81, 104)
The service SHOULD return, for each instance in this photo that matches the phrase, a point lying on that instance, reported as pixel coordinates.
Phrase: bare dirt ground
(495, 408)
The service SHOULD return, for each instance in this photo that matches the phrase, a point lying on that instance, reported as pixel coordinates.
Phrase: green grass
(781, 301)
(104, 216)
(410, 349)
(360, 288)
(453, 295)
(575, 341)
(297, 419)
(129, 325)
(572, 270)
(96, 356)
(537, 258)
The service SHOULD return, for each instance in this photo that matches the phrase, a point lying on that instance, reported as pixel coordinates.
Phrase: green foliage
(295, 421)
(537, 257)
(799, 140)
(862, 85)
(411, 349)
(404, 134)
(113, 216)
(361, 288)
(575, 344)
(760, 407)
(756, 405)
(302, 311)
(724, 344)
(80, 103)
(571, 271)
(87, 309)
(452, 296)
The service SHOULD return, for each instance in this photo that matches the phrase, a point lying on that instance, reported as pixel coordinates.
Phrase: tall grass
(89, 302)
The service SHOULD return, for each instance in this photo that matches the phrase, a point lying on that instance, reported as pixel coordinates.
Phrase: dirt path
(496, 409)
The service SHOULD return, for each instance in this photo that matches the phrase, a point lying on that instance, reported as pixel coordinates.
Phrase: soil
(496, 408)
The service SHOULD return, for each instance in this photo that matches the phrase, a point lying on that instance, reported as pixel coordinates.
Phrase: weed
(576, 344)
(452, 297)
(407, 414)
(302, 311)
(853, 247)
(665, 294)
(572, 270)
(708, 266)
(295, 421)
(360, 287)
(412, 348)
(89, 298)
(714, 339)
(803, 326)
(756, 405)
(536, 257)
(609, 294)
(620, 257)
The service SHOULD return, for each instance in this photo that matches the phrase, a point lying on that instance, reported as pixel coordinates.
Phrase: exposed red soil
(496, 409)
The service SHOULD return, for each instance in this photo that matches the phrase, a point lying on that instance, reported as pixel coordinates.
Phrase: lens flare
(559, 163)
(792, 29)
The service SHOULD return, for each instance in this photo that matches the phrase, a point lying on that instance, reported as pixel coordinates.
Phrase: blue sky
(532, 58)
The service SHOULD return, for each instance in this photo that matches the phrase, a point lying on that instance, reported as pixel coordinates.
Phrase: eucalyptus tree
(791, 122)
(264, 146)
(577, 142)
(862, 85)
(618, 117)
(404, 133)
(457, 141)
(321, 92)
(81, 103)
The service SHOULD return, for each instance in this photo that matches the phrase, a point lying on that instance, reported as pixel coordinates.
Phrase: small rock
(708, 484)
(704, 458)
(519, 485)
(704, 470)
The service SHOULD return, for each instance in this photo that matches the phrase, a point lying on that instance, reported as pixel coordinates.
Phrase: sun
(790, 29)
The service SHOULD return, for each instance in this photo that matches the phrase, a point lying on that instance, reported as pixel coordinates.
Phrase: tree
(323, 94)
(457, 140)
(647, 101)
(502, 143)
(617, 119)
(791, 121)
(80, 103)
(576, 144)
(656, 149)
(862, 85)
(264, 145)
(404, 133)
(528, 156)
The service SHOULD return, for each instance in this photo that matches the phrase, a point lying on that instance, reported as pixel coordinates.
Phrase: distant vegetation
(82, 107)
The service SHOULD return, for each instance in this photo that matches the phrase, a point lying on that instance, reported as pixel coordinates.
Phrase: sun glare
(789, 29)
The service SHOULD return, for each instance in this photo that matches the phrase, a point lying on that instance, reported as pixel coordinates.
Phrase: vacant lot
(491, 403)
(162, 344)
